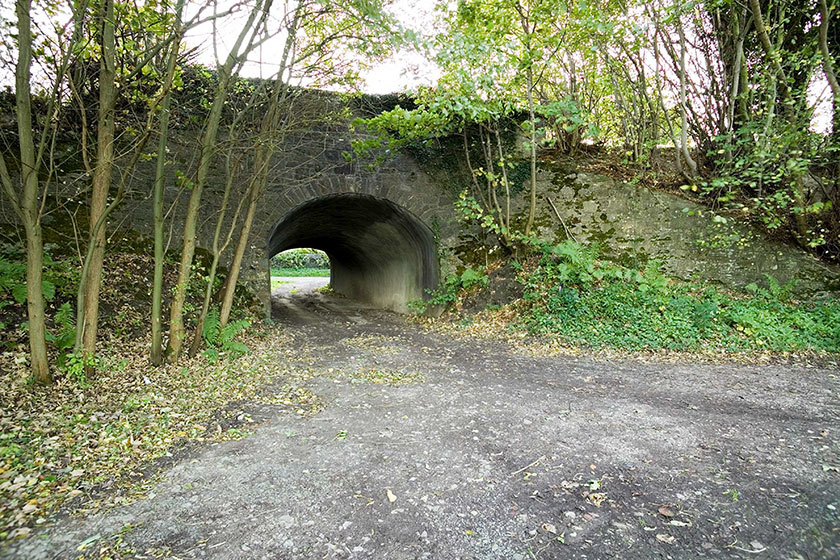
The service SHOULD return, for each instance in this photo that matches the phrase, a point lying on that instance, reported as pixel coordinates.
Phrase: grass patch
(573, 300)
(298, 272)
(328, 291)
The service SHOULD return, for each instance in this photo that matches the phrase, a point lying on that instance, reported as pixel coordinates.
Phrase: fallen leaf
(666, 511)
(667, 539)
(88, 541)
(597, 498)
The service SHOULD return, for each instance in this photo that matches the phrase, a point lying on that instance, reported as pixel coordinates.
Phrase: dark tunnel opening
(380, 253)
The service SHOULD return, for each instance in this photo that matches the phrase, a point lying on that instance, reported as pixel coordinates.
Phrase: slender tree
(246, 40)
(156, 352)
(26, 203)
(101, 183)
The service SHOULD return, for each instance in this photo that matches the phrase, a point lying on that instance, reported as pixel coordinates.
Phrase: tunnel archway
(380, 253)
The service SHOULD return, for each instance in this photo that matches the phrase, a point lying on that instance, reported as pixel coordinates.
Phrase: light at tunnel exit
(380, 253)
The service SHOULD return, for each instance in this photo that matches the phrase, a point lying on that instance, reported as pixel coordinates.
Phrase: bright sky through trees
(404, 70)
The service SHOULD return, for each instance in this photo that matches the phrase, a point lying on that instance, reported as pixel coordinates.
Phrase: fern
(221, 340)
(212, 325)
(231, 331)
(13, 275)
(65, 336)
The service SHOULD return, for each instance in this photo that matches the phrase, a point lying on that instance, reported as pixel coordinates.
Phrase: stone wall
(633, 224)
(311, 167)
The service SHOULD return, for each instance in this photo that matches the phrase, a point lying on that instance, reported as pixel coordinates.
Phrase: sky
(402, 71)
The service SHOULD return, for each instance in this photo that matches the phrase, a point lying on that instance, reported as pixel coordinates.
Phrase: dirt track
(498, 455)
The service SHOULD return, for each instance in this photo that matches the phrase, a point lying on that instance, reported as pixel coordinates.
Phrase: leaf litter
(61, 444)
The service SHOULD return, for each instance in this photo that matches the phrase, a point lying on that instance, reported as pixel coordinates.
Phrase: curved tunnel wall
(380, 253)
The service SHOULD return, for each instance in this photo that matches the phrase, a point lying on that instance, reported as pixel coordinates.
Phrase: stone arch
(380, 252)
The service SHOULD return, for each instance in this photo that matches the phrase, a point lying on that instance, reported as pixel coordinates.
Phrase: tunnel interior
(380, 253)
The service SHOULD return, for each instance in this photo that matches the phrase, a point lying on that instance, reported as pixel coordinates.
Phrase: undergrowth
(572, 295)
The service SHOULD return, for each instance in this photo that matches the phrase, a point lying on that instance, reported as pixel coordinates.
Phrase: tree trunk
(156, 352)
(506, 221)
(208, 148)
(27, 206)
(101, 184)
(828, 68)
(780, 80)
(218, 250)
(692, 165)
(35, 301)
(262, 159)
(532, 204)
(236, 263)
(768, 47)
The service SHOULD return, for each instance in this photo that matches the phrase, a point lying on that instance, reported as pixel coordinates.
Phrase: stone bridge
(382, 226)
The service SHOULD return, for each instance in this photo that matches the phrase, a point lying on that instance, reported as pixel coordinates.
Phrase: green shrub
(301, 258)
(59, 282)
(57, 275)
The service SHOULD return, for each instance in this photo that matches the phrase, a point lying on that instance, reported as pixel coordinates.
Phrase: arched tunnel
(380, 253)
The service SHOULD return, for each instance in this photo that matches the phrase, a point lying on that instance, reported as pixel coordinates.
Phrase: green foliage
(76, 365)
(57, 275)
(222, 340)
(451, 289)
(763, 181)
(65, 335)
(582, 300)
(59, 279)
(566, 118)
(301, 258)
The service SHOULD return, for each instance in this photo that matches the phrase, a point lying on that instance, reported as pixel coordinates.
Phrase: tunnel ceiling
(379, 252)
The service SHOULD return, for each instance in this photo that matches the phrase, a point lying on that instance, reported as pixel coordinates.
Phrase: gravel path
(497, 455)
